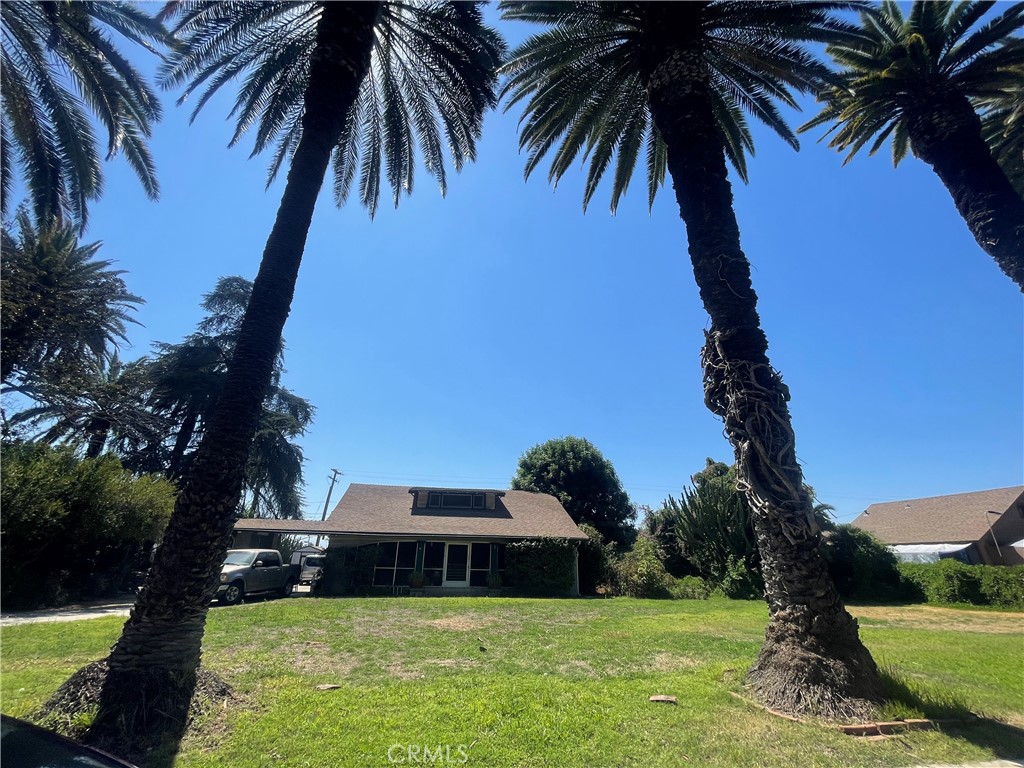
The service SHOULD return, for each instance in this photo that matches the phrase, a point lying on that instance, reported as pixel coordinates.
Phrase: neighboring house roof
(390, 510)
(962, 517)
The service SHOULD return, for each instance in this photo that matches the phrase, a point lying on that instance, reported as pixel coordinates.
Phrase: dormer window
(455, 500)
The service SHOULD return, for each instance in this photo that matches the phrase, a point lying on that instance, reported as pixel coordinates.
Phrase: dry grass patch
(671, 662)
(461, 623)
(316, 658)
(948, 619)
(578, 668)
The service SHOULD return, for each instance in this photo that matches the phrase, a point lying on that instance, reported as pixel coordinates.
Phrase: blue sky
(440, 341)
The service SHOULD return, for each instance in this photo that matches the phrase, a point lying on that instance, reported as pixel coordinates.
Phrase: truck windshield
(314, 562)
(239, 558)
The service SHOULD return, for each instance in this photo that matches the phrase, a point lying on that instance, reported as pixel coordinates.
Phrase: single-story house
(456, 537)
(980, 527)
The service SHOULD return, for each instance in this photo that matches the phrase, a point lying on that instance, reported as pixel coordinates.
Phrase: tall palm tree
(62, 310)
(913, 79)
(359, 83)
(677, 81)
(60, 65)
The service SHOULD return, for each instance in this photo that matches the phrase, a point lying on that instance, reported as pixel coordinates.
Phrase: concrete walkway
(94, 609)
(89, 610)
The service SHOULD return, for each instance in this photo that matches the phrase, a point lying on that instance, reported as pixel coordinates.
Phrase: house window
(395, 563)
(433, 564)
(455, 500)
(479, 564)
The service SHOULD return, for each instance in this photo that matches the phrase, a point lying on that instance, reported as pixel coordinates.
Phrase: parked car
(23, 745)
(255, 572)
(312, 570)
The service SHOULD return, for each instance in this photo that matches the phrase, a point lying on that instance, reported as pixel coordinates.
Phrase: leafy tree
(912, 79)
(677, 80)
(575, 472)
(72, 526)
(358, 82)
(59, 60)
(63, 312)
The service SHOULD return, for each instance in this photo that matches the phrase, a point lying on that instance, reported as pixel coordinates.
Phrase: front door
(456, 566)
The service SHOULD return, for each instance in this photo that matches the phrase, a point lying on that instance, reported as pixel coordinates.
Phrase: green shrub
(690, 588)
(597, 559)
(346, 569)
(714, 532)
(739, 581)
(1003, 585)
(950, 581)
(641, 571)
(74, 528)
(543, 566)
(860, 565)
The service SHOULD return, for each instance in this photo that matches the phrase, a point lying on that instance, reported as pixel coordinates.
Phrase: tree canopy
(575, 472)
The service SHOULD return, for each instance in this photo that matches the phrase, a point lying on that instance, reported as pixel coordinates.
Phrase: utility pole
(327, 501)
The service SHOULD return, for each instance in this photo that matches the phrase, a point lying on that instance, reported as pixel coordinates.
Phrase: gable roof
(961, 517)
(388, 510)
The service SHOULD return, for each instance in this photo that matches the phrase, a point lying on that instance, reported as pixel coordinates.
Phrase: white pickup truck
(255, 571)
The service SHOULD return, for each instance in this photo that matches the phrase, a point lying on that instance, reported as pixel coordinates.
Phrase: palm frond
(432, 70)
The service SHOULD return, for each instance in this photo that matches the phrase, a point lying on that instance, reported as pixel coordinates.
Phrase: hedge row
(950, 581)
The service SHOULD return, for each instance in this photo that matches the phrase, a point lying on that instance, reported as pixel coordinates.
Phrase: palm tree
(358, 82)
(64, 312)
(913, 79)
(676, 81)
(57, 60)
(1002, 121)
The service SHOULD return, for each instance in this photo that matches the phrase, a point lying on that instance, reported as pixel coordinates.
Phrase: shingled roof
(388, 510)
(961, 517)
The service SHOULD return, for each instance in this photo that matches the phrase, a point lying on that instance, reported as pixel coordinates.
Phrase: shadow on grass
(905, 701)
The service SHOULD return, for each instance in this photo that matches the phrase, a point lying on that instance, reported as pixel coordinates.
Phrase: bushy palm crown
(63, 310)
(1002, 117)
(898, 62)
(59, 65)
(584, 79)
(431, 77)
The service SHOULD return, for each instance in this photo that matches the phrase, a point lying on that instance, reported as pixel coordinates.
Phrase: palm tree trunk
(181, 443)
(945, 132)
(812, 661)
(153, 666)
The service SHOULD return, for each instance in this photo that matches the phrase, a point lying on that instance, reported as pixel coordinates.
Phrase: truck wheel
(286, 590)
(233, 594)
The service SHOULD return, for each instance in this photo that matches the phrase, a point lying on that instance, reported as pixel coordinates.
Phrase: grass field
(507, 682)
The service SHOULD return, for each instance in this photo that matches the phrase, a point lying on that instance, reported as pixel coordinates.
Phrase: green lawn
(509, 682)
